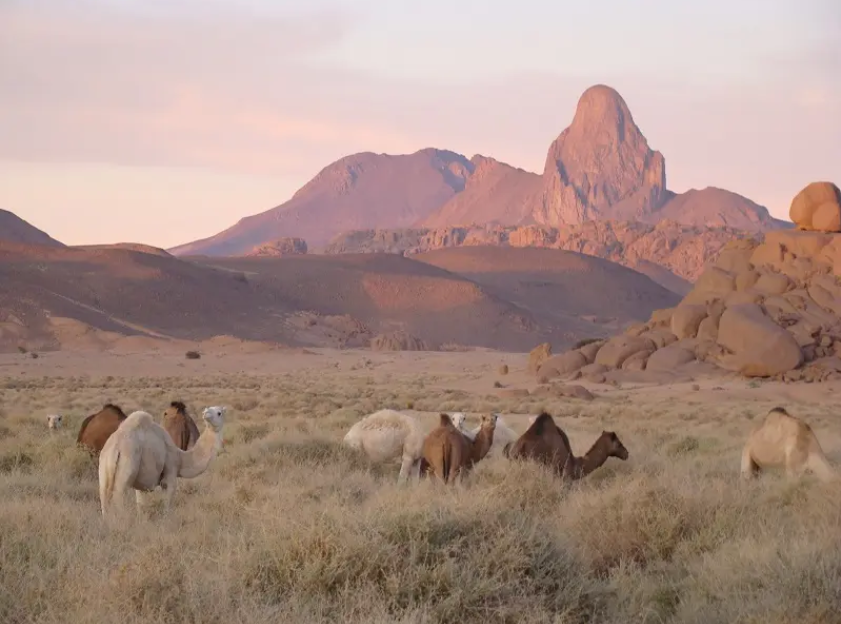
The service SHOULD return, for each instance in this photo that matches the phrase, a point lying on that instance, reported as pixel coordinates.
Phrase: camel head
(615, 448)
(175, 408)
(459, 419)
(488, 421)
(54, 421)
(214, 417)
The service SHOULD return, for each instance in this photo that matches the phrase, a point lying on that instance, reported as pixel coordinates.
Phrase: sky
(165, 121)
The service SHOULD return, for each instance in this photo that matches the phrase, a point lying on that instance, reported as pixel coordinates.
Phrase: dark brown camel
(180, 426)
(97, 428)
(450, 454)
(547, 444)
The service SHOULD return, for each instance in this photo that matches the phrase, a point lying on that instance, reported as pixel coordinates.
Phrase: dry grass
(288, 526)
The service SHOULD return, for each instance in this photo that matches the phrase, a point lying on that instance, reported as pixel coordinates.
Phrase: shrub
(192, 355)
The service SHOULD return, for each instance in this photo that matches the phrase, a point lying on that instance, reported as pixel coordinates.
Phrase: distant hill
(359, 191)
(13, 229)
(599, 168)
(64, 297)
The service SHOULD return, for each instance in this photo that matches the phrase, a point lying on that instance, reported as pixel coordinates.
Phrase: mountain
(599, 168)
(15, 230)
(359, 191)
(494, 193)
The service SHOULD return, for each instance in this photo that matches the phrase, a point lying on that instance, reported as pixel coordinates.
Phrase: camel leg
(168, 484)
(142, 502)
(749, 467)
(405, 468)
(795, 464)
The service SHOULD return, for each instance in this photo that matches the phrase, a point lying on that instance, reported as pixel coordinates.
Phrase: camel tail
(822, 469)
(107, 477)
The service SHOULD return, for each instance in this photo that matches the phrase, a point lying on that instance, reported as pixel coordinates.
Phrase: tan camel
(180, 426)
(97, 428)
(503, 434)
(548, 444)
(783, 440)
(141, 455)
(388, 434)
(450, 454)
(54, 422)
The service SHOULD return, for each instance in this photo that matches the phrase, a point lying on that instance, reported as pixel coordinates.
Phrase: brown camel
(97, 428)
(450, 454)
(180, 426)
(547, 444)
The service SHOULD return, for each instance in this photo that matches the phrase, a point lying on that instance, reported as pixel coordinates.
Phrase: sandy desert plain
(289, 526)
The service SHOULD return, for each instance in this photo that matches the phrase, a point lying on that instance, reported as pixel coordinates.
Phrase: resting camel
(785, 440)
(180, 426)
(54, 421)
(503, 434)
(388, 434)
(97, 428)
(547, 443)
(141, 455)
(450, 454)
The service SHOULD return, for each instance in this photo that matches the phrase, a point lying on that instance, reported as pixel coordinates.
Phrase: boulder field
(769, 309)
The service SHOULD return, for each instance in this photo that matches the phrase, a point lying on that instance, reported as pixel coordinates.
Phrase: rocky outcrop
(680, 251)
(398, 341)
(601, 166)
(769, 309)
(289, 246)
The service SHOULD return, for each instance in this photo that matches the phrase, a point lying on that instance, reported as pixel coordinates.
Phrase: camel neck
(197, 459)
(594, 458)
(482, 444)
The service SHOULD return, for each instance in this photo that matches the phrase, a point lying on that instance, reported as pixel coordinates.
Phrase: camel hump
(779, 410)
(111, 407)
(445, 420)
(540, 423)
(179, 405)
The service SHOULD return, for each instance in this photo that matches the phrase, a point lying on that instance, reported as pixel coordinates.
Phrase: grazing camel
(548, 444)
(450, 454)
(388, 434)
(785, 440)
(54, 421)
(180, 426)
(503, 434)
(97, 428)
(141, 455)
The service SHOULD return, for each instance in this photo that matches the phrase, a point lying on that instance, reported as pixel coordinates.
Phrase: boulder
(772, 284)
(746, 279)
(708, 329)
(618, 349)
(817, 207)
(661, 318)
(636, 362)
(761, 347)
(660, 337)
(538, 355)
(561, 390)
(589, 350)
(563, 364)
(669, 358)
(686, 318)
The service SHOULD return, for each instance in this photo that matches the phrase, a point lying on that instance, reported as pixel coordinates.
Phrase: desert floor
(289, 526)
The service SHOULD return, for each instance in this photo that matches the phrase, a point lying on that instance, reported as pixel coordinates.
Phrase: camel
(785, 440)
(54, 422)
(141, 455)
(450, 454)
(97, 428)
(503, 434)
(388, 434)
(180, 426)
(548, 444)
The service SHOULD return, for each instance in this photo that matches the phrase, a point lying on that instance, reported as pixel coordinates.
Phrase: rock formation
(817, 208)
(289, 246)
(680, 250)
(769, 309)
(601, 166)
(398, 341)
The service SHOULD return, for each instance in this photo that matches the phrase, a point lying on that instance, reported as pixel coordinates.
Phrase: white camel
(54, 421)
(388, 434)
(141, 455)
(503, 434)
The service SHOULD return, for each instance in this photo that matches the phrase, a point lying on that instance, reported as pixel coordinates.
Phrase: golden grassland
(289, 526)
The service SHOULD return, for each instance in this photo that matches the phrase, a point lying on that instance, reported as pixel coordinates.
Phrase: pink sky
(166, 125)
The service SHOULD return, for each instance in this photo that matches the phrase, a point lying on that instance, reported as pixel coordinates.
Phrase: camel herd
(450, 450)
(135, 452)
